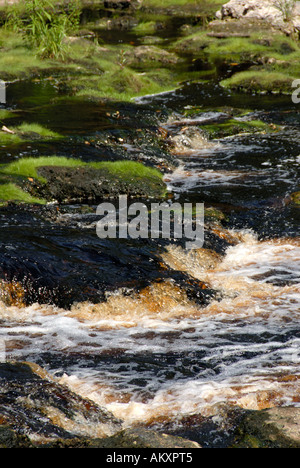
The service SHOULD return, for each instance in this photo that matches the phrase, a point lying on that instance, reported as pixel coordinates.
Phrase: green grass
(6, 114)
(258, 81)
(37, 129)
(211, 4)
(145, 28)
(235, 126)
(8, 139)
(27, 167)
(11, 192)
(126, 171)
(123, 84)
(26, 132)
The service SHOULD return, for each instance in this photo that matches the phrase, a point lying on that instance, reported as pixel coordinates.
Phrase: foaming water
(157, 356)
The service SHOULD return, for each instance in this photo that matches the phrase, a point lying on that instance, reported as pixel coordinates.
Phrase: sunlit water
(159, 356)
(156, 356)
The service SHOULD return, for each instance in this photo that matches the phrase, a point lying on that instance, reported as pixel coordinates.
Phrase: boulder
(263, 10)
(270, 428)
(85, 184)
(35, 405)
(144, 438)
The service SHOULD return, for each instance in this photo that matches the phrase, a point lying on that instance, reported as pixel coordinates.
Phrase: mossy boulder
(260, 82)
(65, 180)
(149, 56)
(85, 184)
(295, 197)
(270, 428)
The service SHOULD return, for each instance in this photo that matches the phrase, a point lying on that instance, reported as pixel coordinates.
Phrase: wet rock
(142, 438)
(32, 403)
(10, 439)
(270, 428)
(188, 139)
(85, 184)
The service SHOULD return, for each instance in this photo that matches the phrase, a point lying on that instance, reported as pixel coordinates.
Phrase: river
(155, 356)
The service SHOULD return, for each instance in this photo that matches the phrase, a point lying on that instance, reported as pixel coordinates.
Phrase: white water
(159, 356)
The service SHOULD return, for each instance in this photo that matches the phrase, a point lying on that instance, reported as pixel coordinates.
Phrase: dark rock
(143, 438)
(32, 403)
(117, 4)
(270, 428)
(9, 439)
(85, 184)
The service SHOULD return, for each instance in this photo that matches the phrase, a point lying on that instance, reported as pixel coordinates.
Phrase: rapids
(152, 355)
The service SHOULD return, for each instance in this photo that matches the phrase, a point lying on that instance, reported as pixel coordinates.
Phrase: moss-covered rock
(270, 428)
(65, 180)
(260, 82)
(86, 184)
(295, 197)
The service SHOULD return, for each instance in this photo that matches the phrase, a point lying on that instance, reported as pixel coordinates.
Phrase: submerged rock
(271, 428)
(32, 403)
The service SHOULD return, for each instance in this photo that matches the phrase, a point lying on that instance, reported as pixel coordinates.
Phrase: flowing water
(153, 355)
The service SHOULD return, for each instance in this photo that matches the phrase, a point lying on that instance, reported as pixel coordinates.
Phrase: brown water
(151, 354)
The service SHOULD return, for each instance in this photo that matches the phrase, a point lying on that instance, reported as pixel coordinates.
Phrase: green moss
(128, 169)
(235, 126)
(145, 28)
(241, 49)
(9, 139)
(27, 167)
(123, 84)
(125, 174)
(260, 81)
(34, 129)
(6, 114)
(24, 133)
(11, 192)
(296, 198)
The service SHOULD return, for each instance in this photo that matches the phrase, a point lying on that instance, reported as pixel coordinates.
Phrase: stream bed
(114, 320)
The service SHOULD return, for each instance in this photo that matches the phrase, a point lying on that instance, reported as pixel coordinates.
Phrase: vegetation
(39, 22)
(286, 7)
(27, 167)
(260, 81)
(11, 192)
(25, 132)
